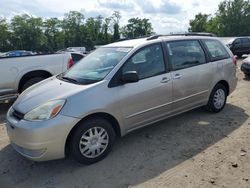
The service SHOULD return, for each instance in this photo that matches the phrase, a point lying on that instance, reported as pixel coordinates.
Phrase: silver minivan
(116, 89)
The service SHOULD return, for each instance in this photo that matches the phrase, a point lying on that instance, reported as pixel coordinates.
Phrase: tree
(5, 34)
(116, 16)
(137, 27)
(199, 24)
(106, 28)
(27, 33)
(72, 28)
(231, 19)
(213, 25)
(52, 27)
(234, 18)
(93, 27)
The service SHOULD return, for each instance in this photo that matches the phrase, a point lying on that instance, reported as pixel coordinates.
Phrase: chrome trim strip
(166, 104)
(150, 109)
(184, 98)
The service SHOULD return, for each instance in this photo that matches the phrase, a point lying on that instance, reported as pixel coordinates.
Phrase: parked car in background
(18, 53)
(78, 49)
(19, 73)
(240, 46)
(73, 49)
(245, 66)
(116, 89)
(76, 56)
(2, 54)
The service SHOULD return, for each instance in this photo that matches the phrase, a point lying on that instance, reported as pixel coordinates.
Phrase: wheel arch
(111, 119)
(32, 74)
(225, 84)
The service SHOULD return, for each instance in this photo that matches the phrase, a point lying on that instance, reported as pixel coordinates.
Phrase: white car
(18, 73)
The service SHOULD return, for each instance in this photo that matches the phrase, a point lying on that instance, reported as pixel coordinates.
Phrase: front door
(150, 98)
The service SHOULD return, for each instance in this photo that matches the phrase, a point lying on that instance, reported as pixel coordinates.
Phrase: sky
(165, 15)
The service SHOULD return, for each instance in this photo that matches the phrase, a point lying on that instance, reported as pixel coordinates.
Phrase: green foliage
(5, 35)
(116, 19)
(199, 24)
(137, 27)
(27, 33)
(234, 17)
(231, 19)
(49, 35)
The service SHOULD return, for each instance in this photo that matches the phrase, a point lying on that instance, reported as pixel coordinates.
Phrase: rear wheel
(217, 99)
(31, 82)
(92, 140)
(247, 75)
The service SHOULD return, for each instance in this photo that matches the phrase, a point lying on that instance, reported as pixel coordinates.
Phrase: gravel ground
(195, 149)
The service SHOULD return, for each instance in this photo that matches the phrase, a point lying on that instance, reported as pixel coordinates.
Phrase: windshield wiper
(69, 79)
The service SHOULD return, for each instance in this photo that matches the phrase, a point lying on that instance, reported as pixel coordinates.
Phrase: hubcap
(94, 142)
(219, 98)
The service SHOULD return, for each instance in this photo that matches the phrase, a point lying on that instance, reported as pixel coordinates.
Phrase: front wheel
(92, 140)
(217, 99)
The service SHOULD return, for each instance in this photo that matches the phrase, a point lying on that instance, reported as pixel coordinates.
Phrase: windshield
(95, 66)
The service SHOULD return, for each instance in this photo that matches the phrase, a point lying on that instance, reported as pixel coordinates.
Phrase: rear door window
(216, 50)
(185, 54)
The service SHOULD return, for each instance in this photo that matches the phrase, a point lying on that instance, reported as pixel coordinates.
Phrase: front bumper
(40, 141)
(245, 67)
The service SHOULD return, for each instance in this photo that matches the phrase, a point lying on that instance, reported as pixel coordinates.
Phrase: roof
(127, 43)
(135, 42)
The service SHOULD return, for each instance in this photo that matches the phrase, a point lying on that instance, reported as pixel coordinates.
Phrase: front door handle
(165, 80)
(177, 76)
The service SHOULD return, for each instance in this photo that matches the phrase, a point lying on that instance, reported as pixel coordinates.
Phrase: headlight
(46, 111)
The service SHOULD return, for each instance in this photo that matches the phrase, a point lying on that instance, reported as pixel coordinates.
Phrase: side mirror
(130, 77)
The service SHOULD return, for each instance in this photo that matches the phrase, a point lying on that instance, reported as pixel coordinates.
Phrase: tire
(247, 75)
(31, 82)
(217, 99)
(84, 147)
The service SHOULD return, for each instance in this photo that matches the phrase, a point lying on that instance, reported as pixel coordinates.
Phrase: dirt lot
(195, 149)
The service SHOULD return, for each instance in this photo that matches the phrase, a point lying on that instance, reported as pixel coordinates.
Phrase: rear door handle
(177, 76)
(165, 80)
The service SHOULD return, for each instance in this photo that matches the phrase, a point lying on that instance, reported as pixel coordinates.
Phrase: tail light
(70, 63)
(234, 60)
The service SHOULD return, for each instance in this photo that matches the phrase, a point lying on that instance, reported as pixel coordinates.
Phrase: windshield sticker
(123, 49)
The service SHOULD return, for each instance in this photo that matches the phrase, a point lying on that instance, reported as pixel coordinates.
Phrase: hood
(49, 89)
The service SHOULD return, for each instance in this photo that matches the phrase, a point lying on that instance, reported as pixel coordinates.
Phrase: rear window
(216, 50)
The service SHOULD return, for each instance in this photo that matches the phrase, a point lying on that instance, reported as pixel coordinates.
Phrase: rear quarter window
(245, 40)
(216, 50)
